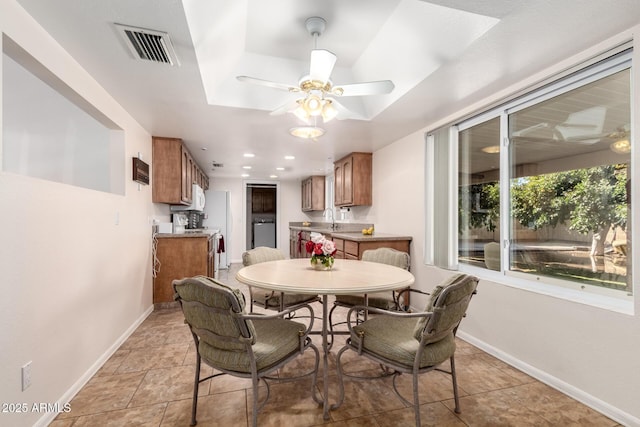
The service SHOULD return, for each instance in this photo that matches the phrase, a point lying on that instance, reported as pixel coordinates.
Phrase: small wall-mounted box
(140, 171)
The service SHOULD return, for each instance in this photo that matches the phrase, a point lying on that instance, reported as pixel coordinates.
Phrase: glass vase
(321, 265)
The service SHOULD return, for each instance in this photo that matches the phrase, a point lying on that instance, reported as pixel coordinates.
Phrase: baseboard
(581, 396)
(84, 379)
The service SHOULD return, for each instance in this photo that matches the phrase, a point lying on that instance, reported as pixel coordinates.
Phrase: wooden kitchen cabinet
(313, 193)
(263, 200)
(180, 257)
(174, 172)
(353, 249)
(352, 180)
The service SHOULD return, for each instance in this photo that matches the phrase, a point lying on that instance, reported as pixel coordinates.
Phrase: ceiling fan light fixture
(313, 105)
(307, 132)
(621, 146)
(329, 112)
(300, 112)
(492, 149)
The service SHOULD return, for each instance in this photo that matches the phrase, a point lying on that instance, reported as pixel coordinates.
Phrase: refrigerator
(218, 217)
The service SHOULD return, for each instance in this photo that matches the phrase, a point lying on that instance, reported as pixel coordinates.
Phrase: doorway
(261, 215)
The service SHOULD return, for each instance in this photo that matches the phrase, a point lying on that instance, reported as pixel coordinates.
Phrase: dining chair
(385, 300)
(412, 343)
(271, 299)
(240, 344)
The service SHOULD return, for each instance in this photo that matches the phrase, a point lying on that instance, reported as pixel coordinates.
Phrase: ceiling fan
(317, 91)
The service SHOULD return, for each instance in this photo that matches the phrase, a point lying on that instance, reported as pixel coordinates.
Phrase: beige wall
(74, 289)
(588, 352)
(74, 283)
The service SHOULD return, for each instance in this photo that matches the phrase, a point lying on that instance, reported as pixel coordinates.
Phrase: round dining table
(346, 277)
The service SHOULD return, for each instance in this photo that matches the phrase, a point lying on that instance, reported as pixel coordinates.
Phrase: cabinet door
(256, 201)
(179, 257)
(306, 194)
(269, 201)
(185, 178)
(263, 200)
(347, 181)
(167, 170)
(338, 184)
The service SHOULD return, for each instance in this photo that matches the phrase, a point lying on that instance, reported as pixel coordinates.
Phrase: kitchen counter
(348, 238)
(325, 227)
(375, 237)
(204, 232)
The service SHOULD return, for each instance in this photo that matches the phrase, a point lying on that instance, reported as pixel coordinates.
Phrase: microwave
(197, 201)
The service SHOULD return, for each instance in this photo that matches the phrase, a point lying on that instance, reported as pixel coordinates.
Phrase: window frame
(573, 291)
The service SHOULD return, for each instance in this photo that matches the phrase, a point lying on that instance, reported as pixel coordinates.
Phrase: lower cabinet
(181, 257)
(347, 248)
(353, 249)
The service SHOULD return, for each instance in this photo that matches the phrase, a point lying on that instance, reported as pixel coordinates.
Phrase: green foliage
(589, 200)
(479, 206)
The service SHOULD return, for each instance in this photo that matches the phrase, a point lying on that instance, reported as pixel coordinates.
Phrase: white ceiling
(442, 55)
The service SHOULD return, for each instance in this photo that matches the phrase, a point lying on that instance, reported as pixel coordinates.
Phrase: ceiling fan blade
(268, 83)
(343, 112)
(285, 108)
(367, 88)
(322, 62)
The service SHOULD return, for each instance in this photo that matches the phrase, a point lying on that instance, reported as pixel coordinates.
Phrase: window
(544, 183)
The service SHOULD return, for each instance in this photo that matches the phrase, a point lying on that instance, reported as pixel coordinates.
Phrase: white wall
(74, 282)
(288, 208)
(590, 353)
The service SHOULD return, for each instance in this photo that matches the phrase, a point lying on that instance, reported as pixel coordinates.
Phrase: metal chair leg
(455, 384)
(254, 412)
(196, 385)
(416, 399)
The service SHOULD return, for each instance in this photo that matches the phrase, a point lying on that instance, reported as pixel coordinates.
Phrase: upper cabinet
(313, 193)
(263, 200)
(352, 180)
(174, 172)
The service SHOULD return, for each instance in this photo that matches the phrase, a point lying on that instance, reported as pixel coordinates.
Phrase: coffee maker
(180, 221)
(195, 220)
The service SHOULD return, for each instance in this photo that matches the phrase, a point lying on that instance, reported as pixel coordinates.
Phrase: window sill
(571, 292)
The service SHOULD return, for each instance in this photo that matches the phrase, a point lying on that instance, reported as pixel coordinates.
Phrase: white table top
(346, 277)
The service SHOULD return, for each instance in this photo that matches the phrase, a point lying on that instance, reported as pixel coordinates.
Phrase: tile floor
(149, 380)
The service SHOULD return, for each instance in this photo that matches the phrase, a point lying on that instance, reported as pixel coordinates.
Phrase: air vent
(215, 165)
(149, 45)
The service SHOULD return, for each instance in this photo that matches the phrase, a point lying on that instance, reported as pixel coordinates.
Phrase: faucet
(333, 221)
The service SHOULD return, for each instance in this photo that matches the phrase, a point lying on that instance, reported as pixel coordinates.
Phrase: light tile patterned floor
(149, 382)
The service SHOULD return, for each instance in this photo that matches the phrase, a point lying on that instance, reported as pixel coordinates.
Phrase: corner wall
(75, 264)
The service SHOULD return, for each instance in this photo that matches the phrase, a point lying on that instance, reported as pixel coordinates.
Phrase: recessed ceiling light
(246, 167)
(273, 176)
(245, 175)
(249, 155)
(289, 157)
(279, 168)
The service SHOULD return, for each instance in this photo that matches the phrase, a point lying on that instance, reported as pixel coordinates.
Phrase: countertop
(348, 231)
(325, 227)
(205, 232)
(375, 237)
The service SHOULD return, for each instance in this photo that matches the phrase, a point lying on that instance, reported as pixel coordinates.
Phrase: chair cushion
(203, 289)
(388, 256)
(275, 340)
(273, 301)
(381, 300)
(451, 298)
(261, 254)
(392, 338)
